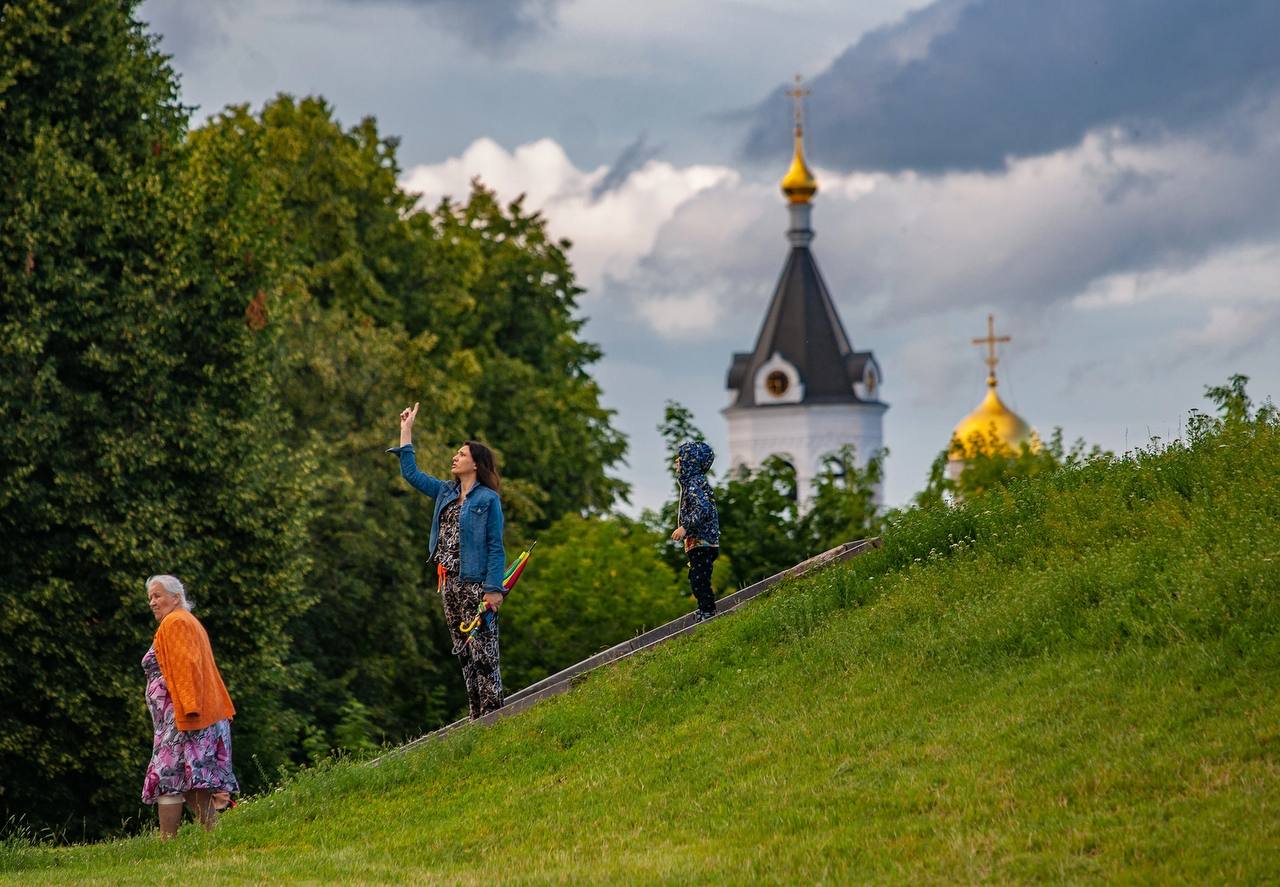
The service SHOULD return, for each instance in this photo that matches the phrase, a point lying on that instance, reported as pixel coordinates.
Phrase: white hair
(173, 586)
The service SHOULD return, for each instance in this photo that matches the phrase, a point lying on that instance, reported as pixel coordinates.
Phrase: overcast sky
(1100, 174)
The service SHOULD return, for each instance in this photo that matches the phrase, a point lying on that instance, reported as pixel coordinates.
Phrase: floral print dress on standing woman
(478, 657)
(183, 760)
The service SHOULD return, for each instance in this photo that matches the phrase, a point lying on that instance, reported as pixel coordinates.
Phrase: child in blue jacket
(699, 528)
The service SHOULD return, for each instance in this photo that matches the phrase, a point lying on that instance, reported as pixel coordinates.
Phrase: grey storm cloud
(189, 29)
(487, 24)
(632, 158)
(967, 84)
(192, 28)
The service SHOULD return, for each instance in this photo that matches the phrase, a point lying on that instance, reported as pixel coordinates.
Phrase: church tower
(802, 392)
(992, 429)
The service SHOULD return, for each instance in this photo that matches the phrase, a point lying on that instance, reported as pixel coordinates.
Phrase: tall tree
(486, 280)
(511, 300)
(468, 308)
(375, 638)
(137, 431)
(370, 651)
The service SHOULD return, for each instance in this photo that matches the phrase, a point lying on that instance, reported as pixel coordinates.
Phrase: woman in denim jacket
(466, 544)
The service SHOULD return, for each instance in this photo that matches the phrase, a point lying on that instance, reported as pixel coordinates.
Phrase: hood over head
(696, 457)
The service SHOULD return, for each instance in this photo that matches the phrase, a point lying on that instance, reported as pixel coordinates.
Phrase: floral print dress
(182, 760)
(479, 657)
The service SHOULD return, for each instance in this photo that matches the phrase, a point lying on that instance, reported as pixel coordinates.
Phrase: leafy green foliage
(494, 292)
(763, 529)
(137, 429)
(843, 507)
(992, 465)
(467, 308)
(592, 582)
(513, 306)
(339, 209)
(760, 521)
(677, 427)
(375, 636)
(368, 644)
(205, 339)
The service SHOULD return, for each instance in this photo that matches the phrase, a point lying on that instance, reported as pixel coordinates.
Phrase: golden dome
(799, 184)
(991, 429)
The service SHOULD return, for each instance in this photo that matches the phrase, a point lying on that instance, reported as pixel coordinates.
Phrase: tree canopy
(139, 433)
(205, 339)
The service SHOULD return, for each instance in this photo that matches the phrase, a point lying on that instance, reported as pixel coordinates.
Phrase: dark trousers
(701, 558)
(478, 656)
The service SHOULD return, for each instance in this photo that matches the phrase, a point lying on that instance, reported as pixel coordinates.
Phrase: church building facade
(803, 392)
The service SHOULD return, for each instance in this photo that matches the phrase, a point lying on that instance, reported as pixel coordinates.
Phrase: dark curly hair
(486, 465)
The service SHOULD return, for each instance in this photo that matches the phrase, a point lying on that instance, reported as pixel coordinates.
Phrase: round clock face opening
(777, 383)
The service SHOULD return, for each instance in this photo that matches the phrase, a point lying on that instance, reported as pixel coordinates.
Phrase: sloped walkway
(565, 680)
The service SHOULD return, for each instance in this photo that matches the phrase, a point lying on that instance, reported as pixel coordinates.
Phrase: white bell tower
(803, 392)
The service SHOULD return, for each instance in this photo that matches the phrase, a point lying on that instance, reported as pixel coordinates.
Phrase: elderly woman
(190, 711)
(466, 544)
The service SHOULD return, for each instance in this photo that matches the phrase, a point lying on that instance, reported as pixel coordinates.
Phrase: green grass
(1072, 680)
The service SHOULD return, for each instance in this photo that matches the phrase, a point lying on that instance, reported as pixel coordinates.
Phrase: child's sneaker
(703, 615)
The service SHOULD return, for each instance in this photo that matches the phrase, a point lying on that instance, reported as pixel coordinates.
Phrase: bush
(591, 583)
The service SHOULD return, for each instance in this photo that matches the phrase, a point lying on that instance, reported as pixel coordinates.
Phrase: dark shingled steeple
(803, 327)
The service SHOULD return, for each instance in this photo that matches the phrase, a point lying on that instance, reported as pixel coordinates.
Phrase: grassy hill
(1073, 679)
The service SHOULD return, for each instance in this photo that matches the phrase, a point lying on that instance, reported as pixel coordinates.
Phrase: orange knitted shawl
(186, 662)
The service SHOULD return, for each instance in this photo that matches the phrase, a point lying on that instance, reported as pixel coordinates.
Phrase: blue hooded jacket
(698, 514)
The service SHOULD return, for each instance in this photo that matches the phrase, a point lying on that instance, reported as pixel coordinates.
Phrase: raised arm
(407, 417)
(419, 480)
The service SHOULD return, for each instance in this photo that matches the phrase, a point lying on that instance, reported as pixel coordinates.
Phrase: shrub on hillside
(591, 583)
(1174, 542)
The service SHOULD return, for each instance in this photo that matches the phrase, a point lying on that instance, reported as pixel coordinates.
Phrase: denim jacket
(482, 556)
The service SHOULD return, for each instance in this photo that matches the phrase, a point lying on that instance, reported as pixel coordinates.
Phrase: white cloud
(682, 316)
(1232, 326)
(1112, 291)
(610, 233)
(679, 248)
(1101, 225)
(1052, 227)
(1233, 296)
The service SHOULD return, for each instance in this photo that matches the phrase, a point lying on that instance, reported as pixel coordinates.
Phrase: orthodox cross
(990, 341)
(798, 93)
